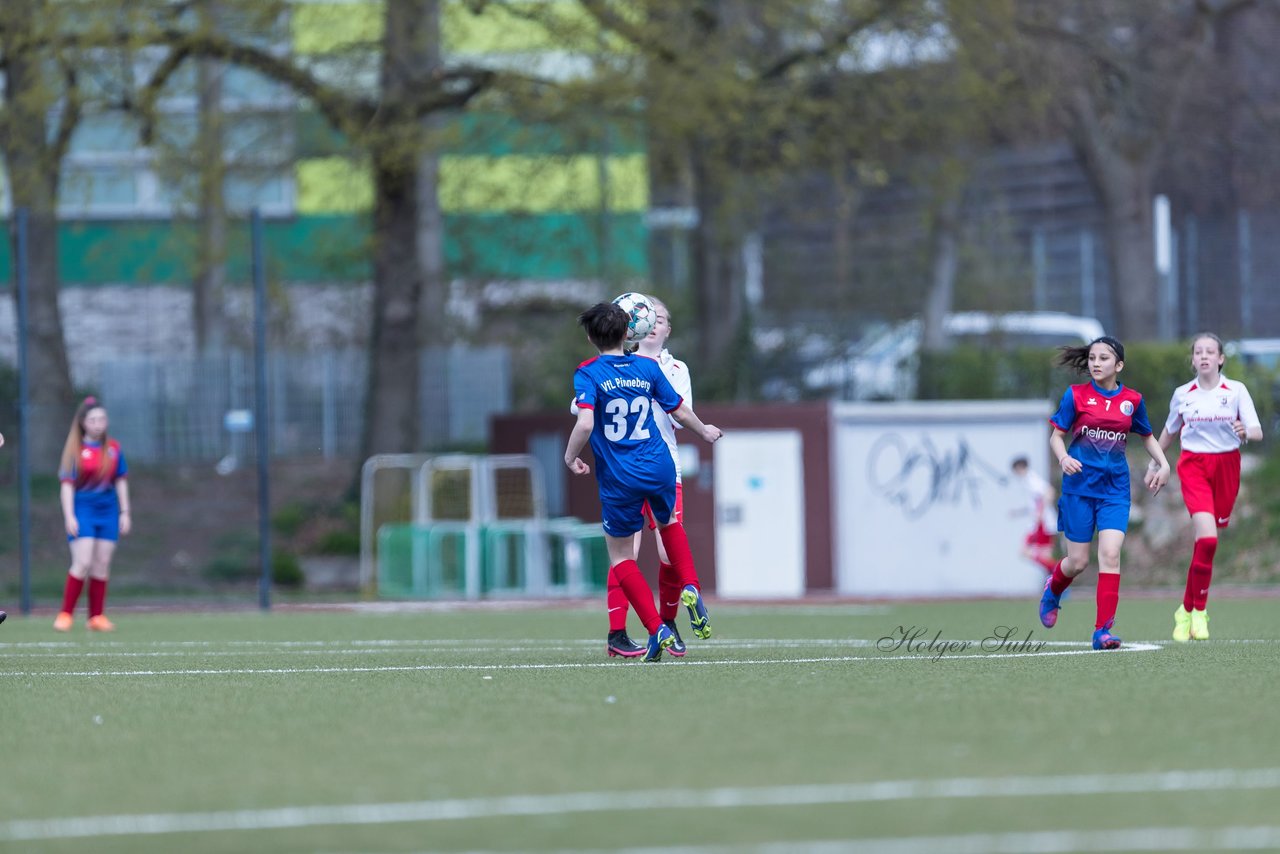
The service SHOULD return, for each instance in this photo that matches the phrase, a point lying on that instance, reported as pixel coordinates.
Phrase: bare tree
(386, 123)
(1118, 76)
(41, 107)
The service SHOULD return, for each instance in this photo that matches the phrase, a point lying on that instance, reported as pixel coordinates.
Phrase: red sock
(1047, 562)
(71, 593)
(616, 599)
(676, 543)
(1108, 597)
(1201, 573)
(1057, 581)
(638, 594)
(668, 591)
(97, 596)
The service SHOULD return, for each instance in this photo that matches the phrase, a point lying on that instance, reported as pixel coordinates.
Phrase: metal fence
(168, 410)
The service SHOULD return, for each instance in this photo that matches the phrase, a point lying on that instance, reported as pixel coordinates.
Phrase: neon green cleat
(1199, 625)
(1182, 624)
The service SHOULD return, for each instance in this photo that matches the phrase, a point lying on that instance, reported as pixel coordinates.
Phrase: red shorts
(1040, 536)
(1210, 483)
(679, 515)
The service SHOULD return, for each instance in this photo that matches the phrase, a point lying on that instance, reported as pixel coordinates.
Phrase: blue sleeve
(1066, 414)
(663, 392)
(584, 390)
(122, 468)
(1141, 424)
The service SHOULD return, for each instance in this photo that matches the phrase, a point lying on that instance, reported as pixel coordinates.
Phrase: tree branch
(833, 45)
(636, 36)
(72, 109)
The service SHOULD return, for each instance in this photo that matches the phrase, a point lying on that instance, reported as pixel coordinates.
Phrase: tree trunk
(430, 239)
(391, 413)
(718, 262)
(207, 298)
(32, 170)
(1131, 250)
(392, 416)
(942, 286)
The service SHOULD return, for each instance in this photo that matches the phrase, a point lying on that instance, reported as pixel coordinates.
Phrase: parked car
(1256, 352)
(884, 367)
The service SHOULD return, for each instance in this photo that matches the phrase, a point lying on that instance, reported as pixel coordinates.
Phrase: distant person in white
(1040, 507)
(1212, 416)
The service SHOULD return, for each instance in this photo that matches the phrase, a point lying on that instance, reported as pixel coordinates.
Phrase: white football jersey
(1038, 489)
(1203, 416)
(678, 374)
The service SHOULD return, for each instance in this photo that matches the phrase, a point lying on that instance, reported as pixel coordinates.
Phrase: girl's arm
(685, 416)
(122, 495)
(1070, 465)
(1156, 477)
(577, 441)
(67, 495)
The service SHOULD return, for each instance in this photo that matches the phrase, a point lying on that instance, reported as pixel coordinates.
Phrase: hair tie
(90, 401)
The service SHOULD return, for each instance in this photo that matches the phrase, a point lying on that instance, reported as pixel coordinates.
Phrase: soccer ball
(643, 316)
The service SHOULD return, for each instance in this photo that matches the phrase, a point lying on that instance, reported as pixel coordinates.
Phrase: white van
(884, 368)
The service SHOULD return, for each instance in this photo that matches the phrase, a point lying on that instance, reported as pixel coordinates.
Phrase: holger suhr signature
(916, 640)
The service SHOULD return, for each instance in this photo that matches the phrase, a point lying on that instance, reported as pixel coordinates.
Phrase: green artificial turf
(758, 736)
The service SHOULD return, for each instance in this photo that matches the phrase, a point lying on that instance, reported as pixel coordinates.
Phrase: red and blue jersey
(1099, 423)
(97, 468)
(629, 449)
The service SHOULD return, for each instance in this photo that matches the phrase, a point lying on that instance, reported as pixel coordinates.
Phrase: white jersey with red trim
(1203, 416)
(678, 373)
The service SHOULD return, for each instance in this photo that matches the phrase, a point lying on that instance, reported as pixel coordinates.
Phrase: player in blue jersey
(1099, 415)
(615, 393)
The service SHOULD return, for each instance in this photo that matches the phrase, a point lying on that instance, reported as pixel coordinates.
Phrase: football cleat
(1049, 605)
(62, 622)
(658, 641)
(100, 624)
(698, 618)
(1103, 639)
(2, 616)
(677, 647)
(1200, 625)
(1182, 624)
(619, 643)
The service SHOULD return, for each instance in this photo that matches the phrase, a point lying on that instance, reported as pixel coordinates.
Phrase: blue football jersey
(629, 449)
(1099, 423)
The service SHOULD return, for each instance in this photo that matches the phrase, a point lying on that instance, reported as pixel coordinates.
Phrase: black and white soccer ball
(641, 313)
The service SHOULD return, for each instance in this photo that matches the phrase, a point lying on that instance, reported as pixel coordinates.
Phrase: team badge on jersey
(1126, 407)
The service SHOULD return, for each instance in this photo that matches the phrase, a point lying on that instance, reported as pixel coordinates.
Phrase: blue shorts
(622, 516)
(1080, 515)
(98, 519)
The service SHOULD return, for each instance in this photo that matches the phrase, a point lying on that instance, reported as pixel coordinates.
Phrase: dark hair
(1077, 358)
(606, 325)
(1019, 462)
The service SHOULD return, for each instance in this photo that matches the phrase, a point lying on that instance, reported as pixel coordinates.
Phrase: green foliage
(339, 542)
(1155, 369)
(288, 520)
(970, 372)
(286, 570)
(236, 561)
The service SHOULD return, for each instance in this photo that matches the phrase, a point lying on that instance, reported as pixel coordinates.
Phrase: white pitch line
(564, 665)
(456, 809)
(1258, 838)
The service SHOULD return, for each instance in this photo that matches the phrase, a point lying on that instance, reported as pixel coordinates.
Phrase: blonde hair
(75, 441)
